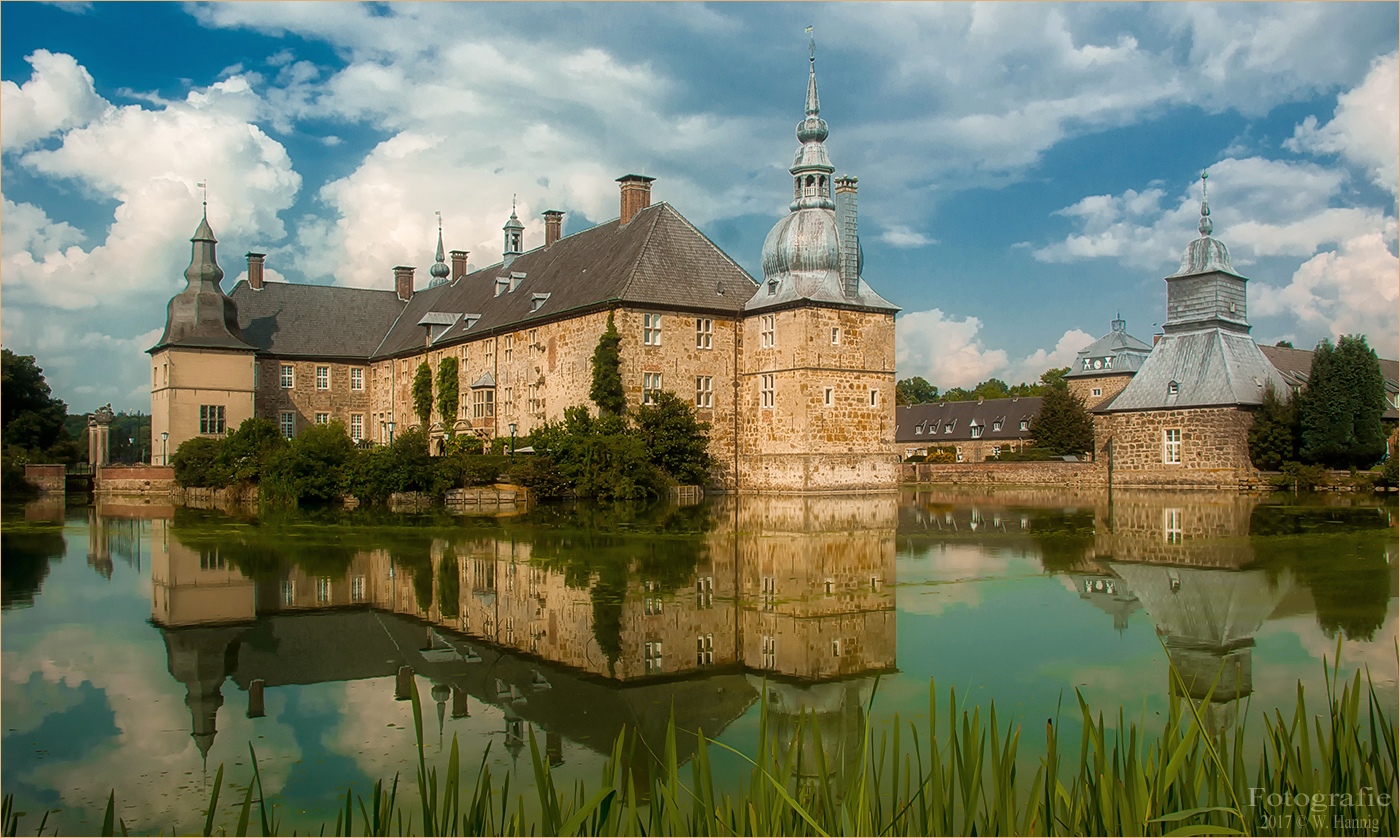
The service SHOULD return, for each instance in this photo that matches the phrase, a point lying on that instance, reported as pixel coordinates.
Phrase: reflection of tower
(1107, 593)
(194, 585)
(836, 709)
(1207, 619)
(99, 556)
(202, 658)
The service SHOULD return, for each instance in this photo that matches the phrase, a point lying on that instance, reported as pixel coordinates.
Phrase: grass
(960, 776)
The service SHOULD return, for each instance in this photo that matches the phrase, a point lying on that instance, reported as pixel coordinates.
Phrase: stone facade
(307, 400)
(185, 378)
(1047, 473)
(1213, 449)
(1107, 386)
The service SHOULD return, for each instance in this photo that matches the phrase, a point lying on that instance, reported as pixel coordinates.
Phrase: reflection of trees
(1063, 537)
(1338, 553)
(27, 551)
(449, 586)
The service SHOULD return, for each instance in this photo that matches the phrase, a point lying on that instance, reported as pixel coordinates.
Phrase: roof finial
(204, 184)
(439, 271)
(1205, 226)
(811, 46)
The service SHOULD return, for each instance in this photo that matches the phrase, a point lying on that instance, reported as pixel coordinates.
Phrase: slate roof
(1126, 351)
(657, 259)
(1210, 368)
(915, 423)
(1296, 364)
(294, 320)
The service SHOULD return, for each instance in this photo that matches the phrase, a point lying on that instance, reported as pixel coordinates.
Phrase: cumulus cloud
(59, 95)
(1029, 369)
(943, 350)
(1365, 129)
(901, 236)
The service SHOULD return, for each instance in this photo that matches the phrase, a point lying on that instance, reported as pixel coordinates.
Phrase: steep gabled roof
(315, 321)
(658, 259)
(925, 423)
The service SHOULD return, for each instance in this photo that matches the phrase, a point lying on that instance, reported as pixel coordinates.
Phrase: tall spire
(1205, 226)
(439, 271)
(813, 106)
(811, 168)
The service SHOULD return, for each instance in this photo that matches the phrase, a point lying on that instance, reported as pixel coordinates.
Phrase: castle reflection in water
(792, 595)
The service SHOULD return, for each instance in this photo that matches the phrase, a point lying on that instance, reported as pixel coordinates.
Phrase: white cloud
(27, 227)
(944, 351)
(1028, 369)
(1365, 129)
(59, 95)
(902, 236)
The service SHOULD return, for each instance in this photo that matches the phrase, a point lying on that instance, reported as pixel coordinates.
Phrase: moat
(145, 647)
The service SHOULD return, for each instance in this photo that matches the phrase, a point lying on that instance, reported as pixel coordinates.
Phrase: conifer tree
(606, 390)
(1340, 417)
(1273, 438)
(1063, 424)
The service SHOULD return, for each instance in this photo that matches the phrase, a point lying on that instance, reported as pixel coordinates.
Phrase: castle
(794, 374)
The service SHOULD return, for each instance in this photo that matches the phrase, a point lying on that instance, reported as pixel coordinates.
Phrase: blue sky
(1027, 171)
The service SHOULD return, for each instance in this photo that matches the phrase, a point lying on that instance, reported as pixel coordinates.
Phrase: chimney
(1157, 338)
(636, 195)
(553, 226)
(255, 270)
(459, 264)
(847, 230)
(403, 282)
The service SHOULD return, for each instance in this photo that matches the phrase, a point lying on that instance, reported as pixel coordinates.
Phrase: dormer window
(996, 426)
(515, 280)
(918, 430)
(469, 320)
(976, 430)
(537, 301)
(502, 283)
(1025, 424)
(1173, 388)
(948, 428)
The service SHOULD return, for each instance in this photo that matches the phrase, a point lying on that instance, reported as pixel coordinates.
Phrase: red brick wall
(46, 478)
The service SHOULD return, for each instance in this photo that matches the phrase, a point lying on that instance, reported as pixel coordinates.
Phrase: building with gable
(1103, 368)
(795, 374)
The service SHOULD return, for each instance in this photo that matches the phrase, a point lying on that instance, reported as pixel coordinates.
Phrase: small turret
(202, 315)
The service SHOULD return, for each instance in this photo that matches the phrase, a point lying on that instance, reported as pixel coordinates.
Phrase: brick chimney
(459, 264)
(255, 270)
(847, 230)
(1157, 338)
(553, 226)
(636, 195)
(403, 282)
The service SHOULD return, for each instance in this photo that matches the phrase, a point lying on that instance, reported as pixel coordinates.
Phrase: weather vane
(204, 184)
(811, 46)
(1204, 175)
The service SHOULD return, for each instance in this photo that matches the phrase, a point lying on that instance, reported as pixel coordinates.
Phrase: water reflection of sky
(132, 643)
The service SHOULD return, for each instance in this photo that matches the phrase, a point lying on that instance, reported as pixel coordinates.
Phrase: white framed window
(651, 329)
(323, 589)
(766, 388)
(1025, 424)
(535, 341)
(651, 602)
(323, 378)
(704, 650)
(357, 426)
(1171, 525)
(768, 331)
(874, 398)
(835, 335)
(996, 425)
(1171, 446)
(704, 333)
(836, 647)
(508, 401)
(287, 422)
(357, 589)
(1173, 388)
(651, 656)
(210, 560)
(770, 592)
(287, 377)
(323, 418)
(770, 652)
(1098, 391)
(960, 454)
(948, 426)
(996, 450)
(651, 386)
(704, 392)
(918, 430)
(536, 400)
(704, 592)
(211, 419)
(490, 353)
(828, 396)
(357, 379)
(976, 431)
(483, 403)
(289, 592)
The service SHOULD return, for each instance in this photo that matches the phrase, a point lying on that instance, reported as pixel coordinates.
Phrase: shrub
(1300, 478)
(1388, 474)
(423, 394)
(675, 441)
(1026, 455)
(199, 463)
(539, 474)
(247, 454)
(313, 469)
(942, 454)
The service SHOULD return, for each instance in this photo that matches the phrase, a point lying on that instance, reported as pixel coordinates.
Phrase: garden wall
(1044, 473)
(134, 480)
(47, 478)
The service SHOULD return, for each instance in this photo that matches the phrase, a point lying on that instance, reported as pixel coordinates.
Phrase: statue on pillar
(99, 433)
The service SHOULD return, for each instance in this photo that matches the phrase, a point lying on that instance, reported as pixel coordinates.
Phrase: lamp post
(164, 435)
(391, 431)
(512, 443)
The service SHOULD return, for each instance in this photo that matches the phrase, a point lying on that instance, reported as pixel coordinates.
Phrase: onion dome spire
(1205, 226)
(811, 167)
(1205, 254)
(439, 271)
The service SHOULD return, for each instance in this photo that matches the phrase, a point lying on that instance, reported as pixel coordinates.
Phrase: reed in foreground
(1329, 774)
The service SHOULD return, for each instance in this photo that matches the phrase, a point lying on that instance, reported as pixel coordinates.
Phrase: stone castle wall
(1108, 385)
(1047, 473)
(47, 478)
(134, 480)
(304, 400)
(1214, 447)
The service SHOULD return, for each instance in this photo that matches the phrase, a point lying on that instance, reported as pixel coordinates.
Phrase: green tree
(1063, 425)
(678, 444)
(313, 469)
(914, 390)
(30, 417)
(423, 394)
(606, 390)
(1273, 438)
(247, 453)
(992, 388)
(1053, 377)
(198, 462)
(1340, 415)
(1286, 344)
(601, 458)
(447, 387)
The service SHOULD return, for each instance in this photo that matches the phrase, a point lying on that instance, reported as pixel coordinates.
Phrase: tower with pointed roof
(1184, 417)
(439, 271)
(202, 368)
(817, 382)
(1103, 368)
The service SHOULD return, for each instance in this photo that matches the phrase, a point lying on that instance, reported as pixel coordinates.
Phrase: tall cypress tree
(1063, 424)
(1273, 438)
(1340, 417)
(606, 390)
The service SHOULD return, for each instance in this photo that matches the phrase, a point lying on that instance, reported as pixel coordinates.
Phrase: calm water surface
(144, 647)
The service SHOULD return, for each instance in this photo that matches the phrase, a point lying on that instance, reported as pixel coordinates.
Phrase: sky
(1027, 171)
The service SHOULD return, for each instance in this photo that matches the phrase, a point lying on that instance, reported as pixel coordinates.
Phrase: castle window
(536, 402)
(768, 331)
(770, 593)
(323, 589)
(502, 283)
(651, 656)
(1171, 446)
(483, 403)
(357, 589)
(828, 396)
(765, 390)
(286, 376)
(704, 395)
(704, 650)
(508, 401)
(287, 422)
(918, 430)
(874, 398)
(996, 425)
(976, 430)
(289, 592)
(211, 419)
(996, 450)
(537, 301)
(836, 647)
(651, 329)
(770, 652)
(211, 560)
(508, 352)
(490, 348)
(1098, 391)
(357, 426)
(959, 450)
(948, 428)
(651, 386)
(1025, 424)
(323, 378)
(1171, 525)
(704, 592)
(835, 335)
(357, 379)
(323, 418)
(704, 333)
